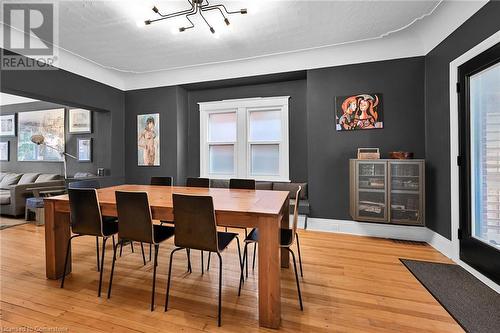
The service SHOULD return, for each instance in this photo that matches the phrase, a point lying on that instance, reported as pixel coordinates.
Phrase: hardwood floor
(350, 284)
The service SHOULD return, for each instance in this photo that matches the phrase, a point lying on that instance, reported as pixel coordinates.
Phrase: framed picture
(148, 139)
(359, 112)
(85, 150)
(5, 151)
(50, 124)
(8, 125)
(80, 121)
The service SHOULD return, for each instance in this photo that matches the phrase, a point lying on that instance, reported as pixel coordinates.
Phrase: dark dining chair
(136, 224)
(287, 237)
(197, 182)
(196, 228)
(86, 220)
(203, 183)
(162, 181)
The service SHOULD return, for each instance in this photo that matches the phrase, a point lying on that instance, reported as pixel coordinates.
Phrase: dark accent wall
(401, 83)
(296, 89)
(170, 103)
(101, 136)
(65, 88)
(480, 26)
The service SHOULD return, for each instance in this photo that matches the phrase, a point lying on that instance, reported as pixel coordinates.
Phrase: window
(245, 138)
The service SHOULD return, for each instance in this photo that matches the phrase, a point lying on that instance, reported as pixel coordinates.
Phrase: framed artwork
(5, 151)
(8, 125)
(84, 150)
(148, 139)
(50, 124)
(359, 112)
(80, 121)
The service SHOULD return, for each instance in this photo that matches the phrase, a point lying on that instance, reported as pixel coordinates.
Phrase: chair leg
(149, 252)
(102, 266)
(202, 268)
(68, 249)
(305, 222)
(220, 290)
(157, 247)
(121, 247)
(242, 280)
(254, 253)
(97, 252)
(209, 257)
(300, 257)
(113, 268)
(296, 278)
(132, 246)
(241, 265)
(188, 252)
(114, 243)
(143, 256)
(169, 275)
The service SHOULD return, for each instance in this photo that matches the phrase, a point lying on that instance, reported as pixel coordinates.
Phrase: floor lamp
(39, 139)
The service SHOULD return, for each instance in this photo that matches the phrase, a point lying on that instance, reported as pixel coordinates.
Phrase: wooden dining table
(265, 210)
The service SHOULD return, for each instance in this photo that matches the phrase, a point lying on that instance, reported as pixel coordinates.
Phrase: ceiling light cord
(197, 7)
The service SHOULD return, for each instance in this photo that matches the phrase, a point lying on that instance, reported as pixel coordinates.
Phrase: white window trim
(243, 107)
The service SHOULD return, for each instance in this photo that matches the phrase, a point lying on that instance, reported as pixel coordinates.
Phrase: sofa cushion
(292, 188)
(4, 197)
(28, 178)
(2, 175)
(304, 207)
(9, 179)
(219, 183)
(45, 177)
(264, 185)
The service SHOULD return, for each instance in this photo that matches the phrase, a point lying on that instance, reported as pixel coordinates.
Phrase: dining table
(266, 210)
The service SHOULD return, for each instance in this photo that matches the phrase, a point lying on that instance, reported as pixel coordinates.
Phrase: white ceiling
(8, 99)
(101, 40)
(106, 31)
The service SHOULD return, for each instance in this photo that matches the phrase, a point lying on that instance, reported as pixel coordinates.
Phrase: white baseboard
(421, 234)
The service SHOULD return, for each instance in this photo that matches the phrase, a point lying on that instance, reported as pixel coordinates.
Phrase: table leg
(57, 234)
(285, 224)
(269, 273)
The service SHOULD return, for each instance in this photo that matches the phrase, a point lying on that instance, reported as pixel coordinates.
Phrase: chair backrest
(296, 212)
(87, 183)
(85, 212)
(162, 181)
(134, 216)
(195, 223)
(197, 182)
(242, 184)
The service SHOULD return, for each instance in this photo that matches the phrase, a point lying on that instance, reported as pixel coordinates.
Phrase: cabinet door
(406, 192)
(371, 196)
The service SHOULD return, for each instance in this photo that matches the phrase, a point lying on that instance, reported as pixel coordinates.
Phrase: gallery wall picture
(148, 139)
(8, 125)
(359, 112)
(50, 124)
(5, 151)
(84, 149)
(80, 121)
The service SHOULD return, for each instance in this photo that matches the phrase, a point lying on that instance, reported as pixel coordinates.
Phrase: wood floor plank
(350, 284)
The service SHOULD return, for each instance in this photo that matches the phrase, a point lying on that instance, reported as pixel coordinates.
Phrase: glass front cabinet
(387, 191)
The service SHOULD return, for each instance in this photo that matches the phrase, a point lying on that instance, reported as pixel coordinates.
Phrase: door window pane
(485, 155)
(222, 127)
(265, 126)
(265, 159)
(221, 159)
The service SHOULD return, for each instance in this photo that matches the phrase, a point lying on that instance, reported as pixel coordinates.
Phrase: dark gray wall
(170, 103)
(296, 89)
(480, 26)
(65, 88)
(101, 136)
(401, 83)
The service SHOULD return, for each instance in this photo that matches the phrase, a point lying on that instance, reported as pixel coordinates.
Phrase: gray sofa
(304, 207)
(14, 189)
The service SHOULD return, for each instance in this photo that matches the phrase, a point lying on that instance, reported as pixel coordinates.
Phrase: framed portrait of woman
(148, 139)
(359, 112)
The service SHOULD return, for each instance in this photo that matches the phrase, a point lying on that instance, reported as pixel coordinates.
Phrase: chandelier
(197, 7)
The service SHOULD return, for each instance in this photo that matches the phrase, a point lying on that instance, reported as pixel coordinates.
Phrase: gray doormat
(474, 305)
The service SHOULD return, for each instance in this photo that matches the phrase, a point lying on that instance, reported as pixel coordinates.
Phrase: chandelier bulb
(226, 21)
(147, 22)
(182, 29)
(243, 11)
(155, 9)
(212, 30)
